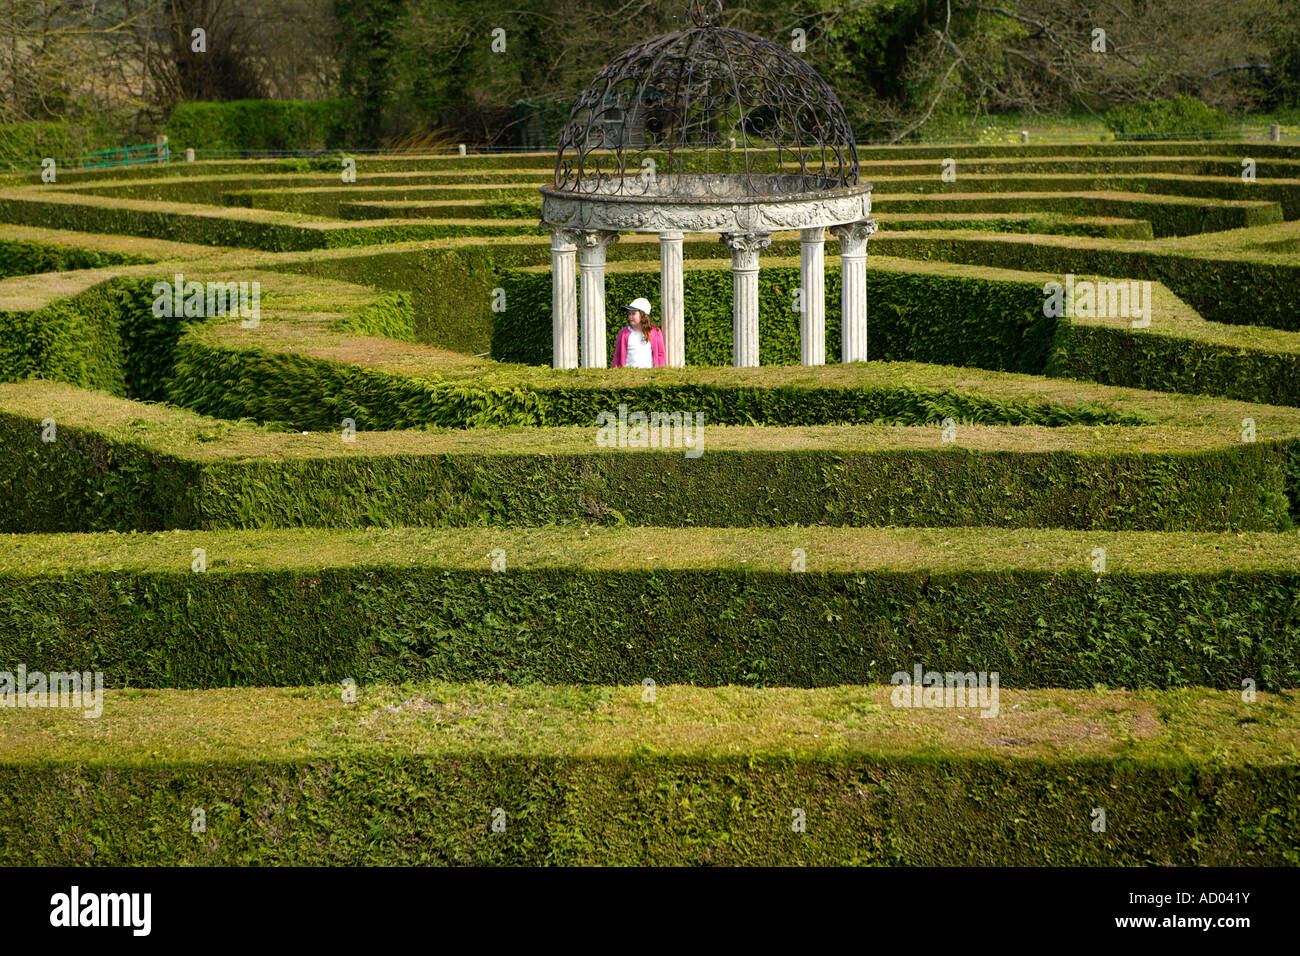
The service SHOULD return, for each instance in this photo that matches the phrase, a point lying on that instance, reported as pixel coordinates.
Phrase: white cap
(642, 305)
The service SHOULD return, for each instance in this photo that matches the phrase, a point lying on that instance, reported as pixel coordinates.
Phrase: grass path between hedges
(769, 550)
(157, 727)
(1200, 425)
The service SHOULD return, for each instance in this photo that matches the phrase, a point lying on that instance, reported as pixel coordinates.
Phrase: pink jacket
(656, 348)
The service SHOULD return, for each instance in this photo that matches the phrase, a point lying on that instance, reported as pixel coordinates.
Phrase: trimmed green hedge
(451, 287)
(97, 478)
(108, 338)
(588, 776)
(77, 340)
(1025, 223)
(1169, 364)
(1047, 150)
(87, 480)
(19, 258)
(991, 323)
(1168, 215)
(303, 392)
(397, 809)
(319, 192)
(176, 628)
(24, 144)
(1180, 116)
(389, 316)
(258, 125)
(236, 230)
(1219, 287)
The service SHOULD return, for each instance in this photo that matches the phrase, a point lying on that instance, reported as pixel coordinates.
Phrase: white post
(672, 308)
(812, 296)
(1275, 133)
(564, 298)
(744, 274)
(592, 244)
(853, 285)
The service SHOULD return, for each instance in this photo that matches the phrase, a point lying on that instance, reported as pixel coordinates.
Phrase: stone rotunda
(715, 130)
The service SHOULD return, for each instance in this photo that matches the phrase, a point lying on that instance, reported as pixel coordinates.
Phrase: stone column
(853, 283)
(812, 285)
(744, 273)
(592, 244)
(672, 311)
(564, 297)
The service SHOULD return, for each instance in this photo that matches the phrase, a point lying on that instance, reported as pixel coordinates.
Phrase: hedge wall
(1220, 288)
(305, 392)
(86, 480)
(1169, 364)
(247, 230)
(1024, 223)
(77, 340)
(451, 287)
(1164, 188)
(108, 338)
(24, 144)
(591, 776)
(121, 485)
(1045, 150)
(393, 808)
(968, 321)
(258, 125)
(20, 258)
(1168, 215)
(1036, 629)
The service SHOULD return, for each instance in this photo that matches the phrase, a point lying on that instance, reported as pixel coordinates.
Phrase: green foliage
(513, 208)
(619, 578)
(1167, 364)
(25, 144)
(421, 616)
(258, 125)
(82, 479)
(1220, 287)
(76, 340)
(389, 316)
(760, 487)
(1168, 215)
(18, 258)
(1180, 117)
(350, 800)
(368, 34)
(269, 233)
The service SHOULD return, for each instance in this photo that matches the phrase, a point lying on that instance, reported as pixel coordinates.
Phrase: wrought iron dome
(719, 112)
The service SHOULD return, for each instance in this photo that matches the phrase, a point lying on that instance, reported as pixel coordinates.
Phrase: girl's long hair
(647, 324)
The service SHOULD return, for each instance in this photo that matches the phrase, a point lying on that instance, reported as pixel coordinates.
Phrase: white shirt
(638, 350)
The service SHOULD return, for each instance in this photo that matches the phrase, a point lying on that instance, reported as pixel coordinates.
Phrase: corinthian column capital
(855, 232)
(596, 238)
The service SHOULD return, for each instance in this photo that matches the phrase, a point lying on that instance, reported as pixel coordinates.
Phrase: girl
(640, 343)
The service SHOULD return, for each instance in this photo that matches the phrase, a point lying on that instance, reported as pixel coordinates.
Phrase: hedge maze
(365, 585)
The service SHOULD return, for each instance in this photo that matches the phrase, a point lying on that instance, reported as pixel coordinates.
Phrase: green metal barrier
(127, 156)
